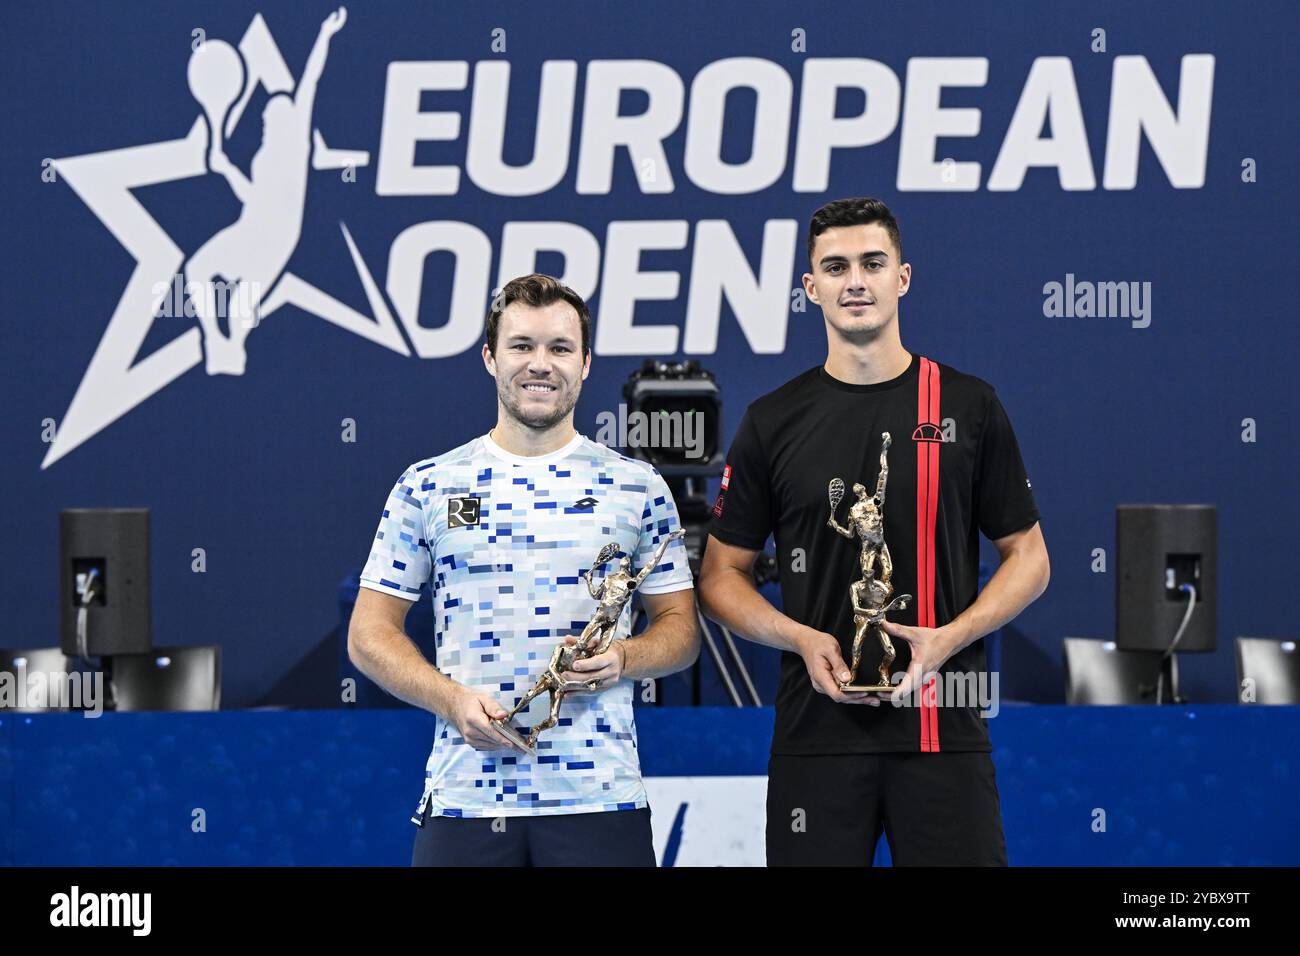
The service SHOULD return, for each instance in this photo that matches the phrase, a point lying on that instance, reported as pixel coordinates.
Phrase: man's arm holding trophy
(380, 648)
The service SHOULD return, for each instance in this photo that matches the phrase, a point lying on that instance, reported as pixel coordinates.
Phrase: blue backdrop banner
(1097, 202)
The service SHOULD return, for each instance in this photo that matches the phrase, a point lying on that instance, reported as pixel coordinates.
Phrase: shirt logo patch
(586, 504)
(722, 492)
(463, 512)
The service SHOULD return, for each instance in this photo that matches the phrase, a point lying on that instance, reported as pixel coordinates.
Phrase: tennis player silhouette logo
(248, 262)
(250, 255)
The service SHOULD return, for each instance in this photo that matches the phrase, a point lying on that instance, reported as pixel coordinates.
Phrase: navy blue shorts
(936, 809)
(611, 838)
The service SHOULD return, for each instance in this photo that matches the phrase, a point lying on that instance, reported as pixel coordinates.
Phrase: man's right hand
(826, 668)
(473, 713)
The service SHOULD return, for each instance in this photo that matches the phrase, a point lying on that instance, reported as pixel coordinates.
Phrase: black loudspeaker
(104, 552)
(1159, 549)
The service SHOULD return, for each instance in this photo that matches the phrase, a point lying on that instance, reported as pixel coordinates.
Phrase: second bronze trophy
(870, 595)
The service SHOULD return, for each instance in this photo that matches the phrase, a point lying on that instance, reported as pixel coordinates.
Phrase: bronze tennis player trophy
(871, 595)
(613, 594)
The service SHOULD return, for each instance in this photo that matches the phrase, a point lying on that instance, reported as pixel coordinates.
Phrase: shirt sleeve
(1002, 491)
(742, 514)
(400, 561)
(658, 520)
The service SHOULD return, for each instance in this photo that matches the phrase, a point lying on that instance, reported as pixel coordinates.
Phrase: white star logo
(114, 383)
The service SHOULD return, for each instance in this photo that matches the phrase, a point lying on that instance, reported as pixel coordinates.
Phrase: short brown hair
(861, 211)
(537, 290)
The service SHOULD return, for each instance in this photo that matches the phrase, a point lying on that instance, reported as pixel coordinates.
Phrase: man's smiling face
(857, 280)
(538, 366)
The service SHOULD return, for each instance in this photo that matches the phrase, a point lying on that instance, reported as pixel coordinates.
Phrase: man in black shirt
(844, 767)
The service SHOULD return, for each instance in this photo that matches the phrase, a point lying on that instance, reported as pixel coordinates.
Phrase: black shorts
(936, 809)
(610, 838)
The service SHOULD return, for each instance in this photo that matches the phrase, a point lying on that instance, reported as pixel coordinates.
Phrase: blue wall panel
(1204, 786)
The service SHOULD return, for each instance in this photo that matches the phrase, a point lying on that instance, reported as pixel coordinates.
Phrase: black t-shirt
(954, 471)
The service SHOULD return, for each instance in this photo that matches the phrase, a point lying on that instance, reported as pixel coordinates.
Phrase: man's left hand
(931, 646)
(605, 669)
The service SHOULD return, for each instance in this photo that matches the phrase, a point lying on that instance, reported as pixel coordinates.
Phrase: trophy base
(514, 737)
(867, 688)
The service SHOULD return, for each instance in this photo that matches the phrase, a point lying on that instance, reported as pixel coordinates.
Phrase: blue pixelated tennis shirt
(503, 540)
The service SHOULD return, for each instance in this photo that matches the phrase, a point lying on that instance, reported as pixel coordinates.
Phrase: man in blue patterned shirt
(502, 530)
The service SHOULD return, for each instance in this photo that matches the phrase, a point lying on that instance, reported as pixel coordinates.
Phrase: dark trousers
(612, 838)
(936, 809)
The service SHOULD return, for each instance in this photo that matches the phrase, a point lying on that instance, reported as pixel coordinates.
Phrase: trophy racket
(836, 494)
(606, 553)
